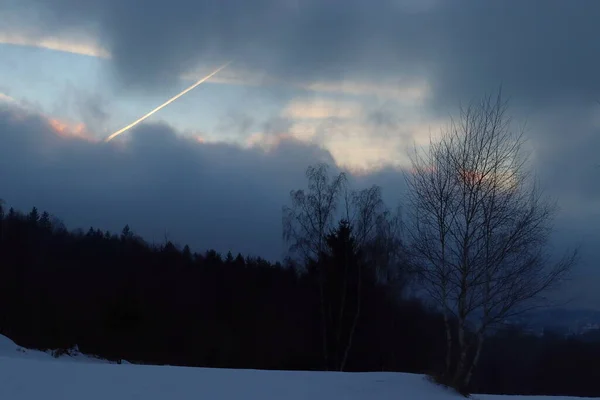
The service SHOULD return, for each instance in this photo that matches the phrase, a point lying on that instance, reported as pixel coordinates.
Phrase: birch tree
(479, 229)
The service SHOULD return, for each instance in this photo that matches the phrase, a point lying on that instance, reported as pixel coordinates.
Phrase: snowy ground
(8, 349)
(33, 375)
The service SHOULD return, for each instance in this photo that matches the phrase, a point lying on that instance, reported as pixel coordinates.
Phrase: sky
(352, 83)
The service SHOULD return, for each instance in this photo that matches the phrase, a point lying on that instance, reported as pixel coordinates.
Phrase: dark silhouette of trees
(372, 244)
(118, 297)
(1, 220)
(342, 269)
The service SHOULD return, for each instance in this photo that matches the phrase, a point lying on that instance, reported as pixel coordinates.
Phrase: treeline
(118, 297)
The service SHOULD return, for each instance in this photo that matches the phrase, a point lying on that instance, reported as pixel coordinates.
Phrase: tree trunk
(355, 322)
(324, 323)
(448, 343)
(473, 365)
(462, 358)
(342, 310)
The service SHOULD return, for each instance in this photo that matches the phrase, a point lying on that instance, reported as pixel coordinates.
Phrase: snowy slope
(30, 376)
(10, 349)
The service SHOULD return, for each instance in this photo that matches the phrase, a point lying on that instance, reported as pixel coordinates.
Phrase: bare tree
(478, 228)
(307, 222)
(378, 231)
(313, 215)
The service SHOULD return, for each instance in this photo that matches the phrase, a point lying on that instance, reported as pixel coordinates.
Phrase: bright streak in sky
(172, 99)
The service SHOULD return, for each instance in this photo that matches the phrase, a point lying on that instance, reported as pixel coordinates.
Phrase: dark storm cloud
(567, 154)
(208, 195)
(538, 50)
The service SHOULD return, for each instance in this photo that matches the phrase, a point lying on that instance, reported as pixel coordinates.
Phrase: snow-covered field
(33, 375)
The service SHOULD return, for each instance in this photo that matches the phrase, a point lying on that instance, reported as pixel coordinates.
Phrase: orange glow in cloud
(70, 131)
(61, 128)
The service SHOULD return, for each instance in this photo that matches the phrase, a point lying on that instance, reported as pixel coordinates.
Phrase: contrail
(172, 99)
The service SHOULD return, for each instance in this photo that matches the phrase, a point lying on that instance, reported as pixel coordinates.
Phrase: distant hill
(561, 321)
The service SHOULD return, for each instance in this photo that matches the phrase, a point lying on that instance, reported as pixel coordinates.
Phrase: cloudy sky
(353, 83)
